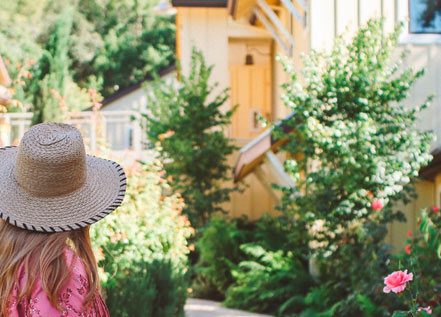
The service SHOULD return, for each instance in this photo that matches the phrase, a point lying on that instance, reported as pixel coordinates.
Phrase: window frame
(407, 37)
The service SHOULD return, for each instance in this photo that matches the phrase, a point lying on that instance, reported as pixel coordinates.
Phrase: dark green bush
(143, 249)
(147, 289)
(219, 250)
(188, 121)
(269, 282)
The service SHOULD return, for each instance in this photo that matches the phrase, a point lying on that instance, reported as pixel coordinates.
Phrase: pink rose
(409, 234)
(408, 249)
(396, 281)
(377, 204)
(427, 309)
(435, 209)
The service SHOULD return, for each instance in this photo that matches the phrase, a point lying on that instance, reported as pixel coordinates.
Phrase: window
(425, 16)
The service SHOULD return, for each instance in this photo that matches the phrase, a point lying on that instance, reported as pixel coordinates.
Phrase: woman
(50, 193)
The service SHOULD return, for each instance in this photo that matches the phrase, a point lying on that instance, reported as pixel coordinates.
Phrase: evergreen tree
(189, 124)
(51, 73)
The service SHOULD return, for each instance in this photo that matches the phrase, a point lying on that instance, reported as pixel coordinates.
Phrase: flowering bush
(143, 249)
(356, 151)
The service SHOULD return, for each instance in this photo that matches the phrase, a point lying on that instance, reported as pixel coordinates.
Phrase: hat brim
(102, 192)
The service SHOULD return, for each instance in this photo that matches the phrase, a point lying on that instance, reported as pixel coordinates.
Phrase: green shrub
(269, 282)
(220, 252)
(143, 248)
(147, 289)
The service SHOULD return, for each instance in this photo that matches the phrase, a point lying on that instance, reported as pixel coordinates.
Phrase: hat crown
(51, 160)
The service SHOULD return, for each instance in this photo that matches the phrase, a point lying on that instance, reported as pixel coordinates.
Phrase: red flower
(409, 234)
(377, 204)
(407, 249)
(435, 209)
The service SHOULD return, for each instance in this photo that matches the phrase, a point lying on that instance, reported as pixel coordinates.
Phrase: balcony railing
(117, 131)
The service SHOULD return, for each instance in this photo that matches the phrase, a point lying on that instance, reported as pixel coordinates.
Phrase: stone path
(206, 308)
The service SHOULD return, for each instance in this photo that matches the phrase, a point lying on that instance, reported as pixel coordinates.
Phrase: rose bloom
(396, 281)
(377, 204)
(409, 234)
(407, 249)
(435, 209)
(427, 309)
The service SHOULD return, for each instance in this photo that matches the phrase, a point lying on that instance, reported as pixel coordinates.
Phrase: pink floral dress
(71, 300)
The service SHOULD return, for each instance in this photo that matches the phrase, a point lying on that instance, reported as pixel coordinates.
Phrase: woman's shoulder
(71, 300)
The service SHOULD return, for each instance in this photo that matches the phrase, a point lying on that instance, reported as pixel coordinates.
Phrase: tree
(112, 45)
(357, 152)
(188, 123)
(51, 73)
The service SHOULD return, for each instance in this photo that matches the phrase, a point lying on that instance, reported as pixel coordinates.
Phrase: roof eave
(200, 3)
(253, 154)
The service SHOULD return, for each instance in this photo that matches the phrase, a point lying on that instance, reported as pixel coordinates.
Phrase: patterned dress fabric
(71, 300)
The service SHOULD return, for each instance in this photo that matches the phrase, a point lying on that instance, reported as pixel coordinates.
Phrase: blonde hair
(42, 256)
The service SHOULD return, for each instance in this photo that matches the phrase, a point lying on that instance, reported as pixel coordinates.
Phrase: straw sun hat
(49, 184)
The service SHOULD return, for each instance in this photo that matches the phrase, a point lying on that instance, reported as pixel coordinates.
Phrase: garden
(353, 150)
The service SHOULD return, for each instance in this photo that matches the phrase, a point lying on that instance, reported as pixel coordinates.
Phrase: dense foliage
(358, 149)
(188, 121)
(355, 152)
(219, 250)
(51, 72)
(421, 256)
(143, 249)
(55, 51)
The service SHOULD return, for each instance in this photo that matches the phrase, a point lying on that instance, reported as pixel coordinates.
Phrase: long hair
(42, 255)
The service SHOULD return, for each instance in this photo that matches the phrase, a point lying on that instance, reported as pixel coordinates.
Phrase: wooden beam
(294, 12)
(264, 180)
(303, 4)
(271, 29)
(277, 169)
(275, 20)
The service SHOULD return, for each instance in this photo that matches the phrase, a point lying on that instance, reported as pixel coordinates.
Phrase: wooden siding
(251, 93)
(206, 30)
(211, 30)
(412, 211)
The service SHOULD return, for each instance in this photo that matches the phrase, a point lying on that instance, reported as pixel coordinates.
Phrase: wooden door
(251, 92)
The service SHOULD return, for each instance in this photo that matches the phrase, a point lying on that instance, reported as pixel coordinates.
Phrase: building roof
(200, 3)
(124, 92)
(253, 154)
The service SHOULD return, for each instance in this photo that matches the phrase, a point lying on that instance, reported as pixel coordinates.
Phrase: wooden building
(242, 39)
